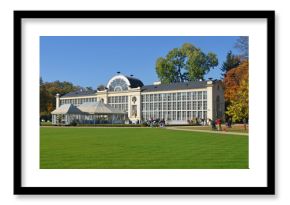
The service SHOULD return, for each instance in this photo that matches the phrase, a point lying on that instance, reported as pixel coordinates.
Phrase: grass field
(144, 148)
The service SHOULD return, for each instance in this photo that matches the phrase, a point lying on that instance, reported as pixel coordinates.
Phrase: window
(169, 106)
(194, 97)
(178, 96)
(150, 106)
(199, 114)
(199, 105)
(155, 106)
(183, 105)
(164, 105)
(205, 114)
(159, 97)
(205, 105)
(189, 96)
(174, 115)
(178, 105)
(169, 98)
(205, 95)
(169, 117)
(189, 105)
(183, 95)
(174, 106)
(199, 95)
(178, 115)
(174, 96)
(183, 115)
(189, 115)
(155, 97)
(118, 85)
(194, 105)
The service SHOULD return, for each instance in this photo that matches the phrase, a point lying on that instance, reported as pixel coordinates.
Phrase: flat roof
(148, 88)
(175, 86)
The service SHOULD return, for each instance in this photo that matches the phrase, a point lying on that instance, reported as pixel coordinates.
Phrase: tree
(239, 108)
(187, 63)
(232, 61)
(236, 88)
(48, 90)
(243, 45)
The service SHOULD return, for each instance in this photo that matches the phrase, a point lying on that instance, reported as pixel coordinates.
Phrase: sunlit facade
(176, 103)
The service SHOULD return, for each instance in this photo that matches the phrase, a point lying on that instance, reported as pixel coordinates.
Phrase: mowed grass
(140, 148)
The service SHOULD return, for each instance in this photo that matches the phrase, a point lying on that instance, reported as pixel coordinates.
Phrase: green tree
(48, 90)
(187, 63)
(232, 61)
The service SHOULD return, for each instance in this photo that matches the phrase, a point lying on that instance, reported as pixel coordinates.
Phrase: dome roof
(135, 82)
(121, 82)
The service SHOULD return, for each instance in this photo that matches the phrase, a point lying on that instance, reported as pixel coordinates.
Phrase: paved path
(207, 131)
(169, 128)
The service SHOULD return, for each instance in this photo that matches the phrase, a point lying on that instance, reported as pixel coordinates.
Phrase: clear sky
(93, 60)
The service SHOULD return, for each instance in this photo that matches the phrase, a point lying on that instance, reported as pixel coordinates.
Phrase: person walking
(230, 122)
(212, 123)
(245, 123)
(219, 124)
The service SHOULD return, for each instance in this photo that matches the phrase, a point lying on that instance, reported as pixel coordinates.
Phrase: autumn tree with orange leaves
(236, 86)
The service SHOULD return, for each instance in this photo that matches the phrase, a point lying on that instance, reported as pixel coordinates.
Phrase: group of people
(216, 124)
(156, 122)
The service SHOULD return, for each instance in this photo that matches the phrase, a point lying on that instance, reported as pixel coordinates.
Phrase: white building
(176, 103)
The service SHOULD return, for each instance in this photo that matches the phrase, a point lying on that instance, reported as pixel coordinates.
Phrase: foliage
(232, 61)
(48, 90)
(233, 79)
(239, 108)
(236, 88)
(187, 63)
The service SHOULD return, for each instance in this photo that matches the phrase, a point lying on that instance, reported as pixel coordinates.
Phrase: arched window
(118, 85)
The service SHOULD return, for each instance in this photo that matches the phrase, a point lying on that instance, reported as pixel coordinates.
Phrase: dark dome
(135, 82)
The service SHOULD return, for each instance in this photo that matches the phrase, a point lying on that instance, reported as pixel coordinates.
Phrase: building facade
(176, 103)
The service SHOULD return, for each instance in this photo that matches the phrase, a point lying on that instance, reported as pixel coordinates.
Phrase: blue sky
(93, 60)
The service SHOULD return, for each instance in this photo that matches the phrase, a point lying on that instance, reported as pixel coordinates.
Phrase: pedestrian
(212, 122)
(219, 124)
(245, 123)
(230, 122)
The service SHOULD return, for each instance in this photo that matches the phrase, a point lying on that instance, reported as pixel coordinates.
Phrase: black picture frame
(19, 189)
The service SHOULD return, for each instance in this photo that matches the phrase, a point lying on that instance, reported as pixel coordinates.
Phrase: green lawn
(144, 148)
